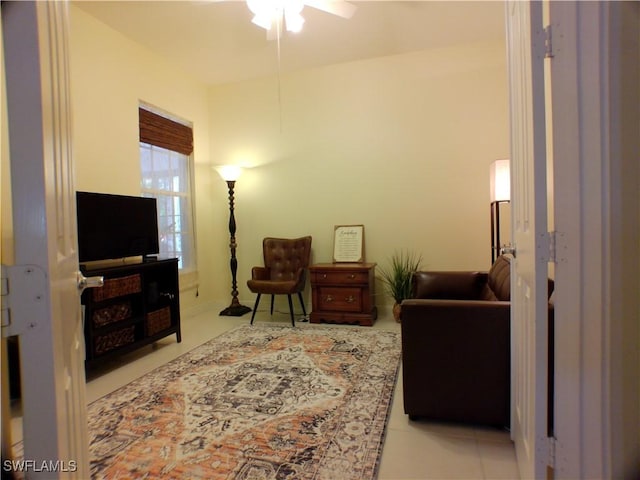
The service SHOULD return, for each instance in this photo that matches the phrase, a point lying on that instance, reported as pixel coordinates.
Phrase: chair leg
(272, 296)
(293, 322)
(255, 308)
(304, 312)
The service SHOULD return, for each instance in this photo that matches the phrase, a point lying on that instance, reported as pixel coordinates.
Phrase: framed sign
(348, 243)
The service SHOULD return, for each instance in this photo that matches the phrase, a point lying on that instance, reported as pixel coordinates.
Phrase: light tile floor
(412, 450)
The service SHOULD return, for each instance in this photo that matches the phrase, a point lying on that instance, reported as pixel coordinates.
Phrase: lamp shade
(229, 173)
(500, 181)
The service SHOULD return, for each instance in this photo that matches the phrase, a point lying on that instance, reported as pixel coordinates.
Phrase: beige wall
(401, 144)
(110, 75)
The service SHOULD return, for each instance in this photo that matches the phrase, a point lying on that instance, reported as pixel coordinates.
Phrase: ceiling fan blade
(336, 7)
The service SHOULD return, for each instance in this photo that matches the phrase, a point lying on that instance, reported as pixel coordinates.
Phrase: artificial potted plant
(397, 277)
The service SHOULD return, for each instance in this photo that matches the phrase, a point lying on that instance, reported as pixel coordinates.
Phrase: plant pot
(396, 312)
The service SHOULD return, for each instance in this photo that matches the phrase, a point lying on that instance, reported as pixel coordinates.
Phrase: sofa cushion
(448, 285)
(500, 279)
(488, 295)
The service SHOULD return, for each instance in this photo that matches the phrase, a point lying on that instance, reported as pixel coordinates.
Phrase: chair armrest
(462, 285)
(260, 273)
(301, 278)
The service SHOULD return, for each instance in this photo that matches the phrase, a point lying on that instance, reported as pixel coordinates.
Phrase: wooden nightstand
(343, 293)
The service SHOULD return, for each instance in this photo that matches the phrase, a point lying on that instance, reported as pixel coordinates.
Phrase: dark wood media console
(138, 305)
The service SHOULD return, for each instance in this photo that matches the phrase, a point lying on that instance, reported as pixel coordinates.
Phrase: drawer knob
(329, 298)
(350, 299)
(324, 275)
(352, 276)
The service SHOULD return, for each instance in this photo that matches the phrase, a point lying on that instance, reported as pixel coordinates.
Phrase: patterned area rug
(261, 402)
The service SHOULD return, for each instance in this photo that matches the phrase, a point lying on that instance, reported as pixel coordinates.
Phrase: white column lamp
(500, 193)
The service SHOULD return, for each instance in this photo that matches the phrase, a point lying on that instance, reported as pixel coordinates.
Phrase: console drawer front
(341, 278)
(340, 299)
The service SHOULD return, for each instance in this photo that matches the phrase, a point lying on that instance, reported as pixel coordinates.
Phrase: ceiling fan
(272, 15)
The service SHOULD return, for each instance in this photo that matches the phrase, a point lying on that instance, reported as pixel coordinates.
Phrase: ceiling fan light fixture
(270, 12)
(264, 20)
(259, 7)
(294, 21)
(291, 6)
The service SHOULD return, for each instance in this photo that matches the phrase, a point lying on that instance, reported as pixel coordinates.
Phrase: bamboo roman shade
(163, 132)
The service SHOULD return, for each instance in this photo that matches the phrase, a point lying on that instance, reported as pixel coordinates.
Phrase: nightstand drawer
(340, 278)
(343, 293)
(341, 299)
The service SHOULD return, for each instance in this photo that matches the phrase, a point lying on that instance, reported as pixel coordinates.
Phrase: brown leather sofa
(456, 346)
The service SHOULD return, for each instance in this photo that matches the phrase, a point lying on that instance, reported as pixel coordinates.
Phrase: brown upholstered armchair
(284, 272)
(456, 346)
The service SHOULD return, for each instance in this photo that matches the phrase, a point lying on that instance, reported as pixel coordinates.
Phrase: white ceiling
(216, 41)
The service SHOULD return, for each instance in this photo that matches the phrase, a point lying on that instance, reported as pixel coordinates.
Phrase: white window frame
(186, 251)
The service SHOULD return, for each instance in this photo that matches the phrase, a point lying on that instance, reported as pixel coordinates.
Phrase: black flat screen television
(115, 226)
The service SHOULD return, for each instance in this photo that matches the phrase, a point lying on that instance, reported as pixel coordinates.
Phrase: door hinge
(5, 313)
(24, 300)
(547, 247)
(551, 248)
(551, 444)
(548, 45)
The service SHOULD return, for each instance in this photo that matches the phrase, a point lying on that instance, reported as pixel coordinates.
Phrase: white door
(44, 302)
(526, 50)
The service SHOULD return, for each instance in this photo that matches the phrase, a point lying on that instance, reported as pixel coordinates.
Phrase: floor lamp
(500, 192)
(230, 174)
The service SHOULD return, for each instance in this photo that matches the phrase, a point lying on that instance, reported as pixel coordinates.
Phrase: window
(165, 164)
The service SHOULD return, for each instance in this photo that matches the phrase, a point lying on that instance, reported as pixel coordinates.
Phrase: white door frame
(44, 300)
(595, 125)
(596, 216)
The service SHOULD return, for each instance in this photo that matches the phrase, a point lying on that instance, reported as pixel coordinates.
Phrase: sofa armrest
(462, 285)
(456, 360)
